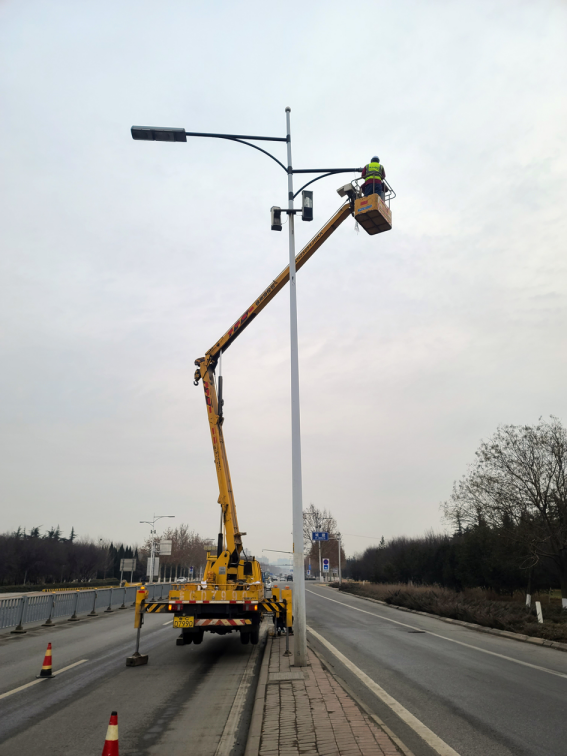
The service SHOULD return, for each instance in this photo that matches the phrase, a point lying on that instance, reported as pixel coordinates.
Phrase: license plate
(184, 622)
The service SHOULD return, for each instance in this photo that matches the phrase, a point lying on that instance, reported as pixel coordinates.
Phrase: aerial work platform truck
(231, 596)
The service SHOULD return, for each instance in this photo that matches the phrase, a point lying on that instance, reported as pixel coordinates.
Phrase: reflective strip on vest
(374, 172)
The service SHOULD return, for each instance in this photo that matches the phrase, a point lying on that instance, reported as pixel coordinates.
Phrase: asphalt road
(180, 702)
(454, 680)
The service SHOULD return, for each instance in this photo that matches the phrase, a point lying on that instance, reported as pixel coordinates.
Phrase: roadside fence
(16, 611)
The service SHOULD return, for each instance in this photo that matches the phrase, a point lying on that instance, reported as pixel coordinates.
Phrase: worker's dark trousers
(374, 188)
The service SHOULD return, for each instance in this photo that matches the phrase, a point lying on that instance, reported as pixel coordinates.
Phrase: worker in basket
(374, 174)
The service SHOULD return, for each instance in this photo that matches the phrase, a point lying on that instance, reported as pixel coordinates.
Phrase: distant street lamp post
(326, 519)
(153, 542)
(340, 572)
(166, 134)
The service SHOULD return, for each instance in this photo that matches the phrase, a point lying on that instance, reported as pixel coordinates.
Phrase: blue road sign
(319, 535)
(325, 565)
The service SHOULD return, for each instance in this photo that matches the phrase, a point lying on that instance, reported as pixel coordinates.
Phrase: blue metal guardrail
(16, 611)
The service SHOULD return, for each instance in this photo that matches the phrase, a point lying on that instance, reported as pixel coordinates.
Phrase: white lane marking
(228, 737)
(75, 664)
(432, 740)
(41, 679)
(451, 640)
(168, 622)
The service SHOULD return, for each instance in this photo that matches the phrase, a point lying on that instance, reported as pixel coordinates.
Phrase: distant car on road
(289, 577)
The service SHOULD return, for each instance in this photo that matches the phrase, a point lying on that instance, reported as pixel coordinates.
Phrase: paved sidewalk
(307, 713)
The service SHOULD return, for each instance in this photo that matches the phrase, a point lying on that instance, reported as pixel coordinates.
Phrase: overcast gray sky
(122, 261)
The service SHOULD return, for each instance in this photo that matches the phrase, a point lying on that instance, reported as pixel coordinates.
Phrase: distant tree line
(34, 558)
(509, 518)
(479, 556)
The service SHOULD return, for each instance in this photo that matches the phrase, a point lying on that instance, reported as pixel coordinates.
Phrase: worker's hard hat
(375, 159)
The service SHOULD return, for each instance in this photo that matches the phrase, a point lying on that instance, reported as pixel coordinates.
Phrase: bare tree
(187, 550)
(316, 520)
(518, 484)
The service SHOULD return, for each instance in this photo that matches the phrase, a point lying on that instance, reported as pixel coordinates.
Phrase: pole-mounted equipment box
(306, 205)
(276, 213)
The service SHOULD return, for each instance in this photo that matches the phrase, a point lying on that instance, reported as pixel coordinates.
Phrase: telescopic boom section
(226, 496)
(206, 372)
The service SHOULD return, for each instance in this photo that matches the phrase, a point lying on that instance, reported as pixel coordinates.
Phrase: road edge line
(366, 709)
(255, 729)
(543, 642)
(427, 735)
(547, 670)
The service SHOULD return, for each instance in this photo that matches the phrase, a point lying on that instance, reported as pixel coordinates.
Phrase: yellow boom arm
(206, 372)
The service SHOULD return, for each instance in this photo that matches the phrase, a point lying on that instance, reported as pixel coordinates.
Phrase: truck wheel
(244, 638)
(255, 635)
(198, 637)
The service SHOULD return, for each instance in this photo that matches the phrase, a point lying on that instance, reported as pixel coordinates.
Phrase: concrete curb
(479, 628)
(255, 729)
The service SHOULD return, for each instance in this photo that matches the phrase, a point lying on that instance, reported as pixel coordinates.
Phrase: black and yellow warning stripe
(273, 606)
(268, 606)
(155, 607)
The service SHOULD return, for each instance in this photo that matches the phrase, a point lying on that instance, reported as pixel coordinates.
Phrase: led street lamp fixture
(158, 134)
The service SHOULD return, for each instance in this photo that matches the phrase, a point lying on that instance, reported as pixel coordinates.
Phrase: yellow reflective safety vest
(374, 172)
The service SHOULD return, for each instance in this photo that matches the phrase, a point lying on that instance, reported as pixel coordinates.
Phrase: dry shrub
(470, 606)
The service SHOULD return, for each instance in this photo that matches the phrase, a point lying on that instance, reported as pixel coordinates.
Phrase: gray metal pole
(299, 630)
(93, 613)
(108, 609)
(320, 573)
(340, 573)
(74, 617)
(49, 622)
(152, 554)
(23, 605)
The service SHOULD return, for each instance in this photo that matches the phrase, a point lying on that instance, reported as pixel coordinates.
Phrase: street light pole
(152, 557)
(153, 542)
(299, 631)
(179, 135)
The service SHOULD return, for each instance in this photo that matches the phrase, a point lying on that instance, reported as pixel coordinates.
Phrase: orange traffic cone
(111, 742)
(47, 669)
